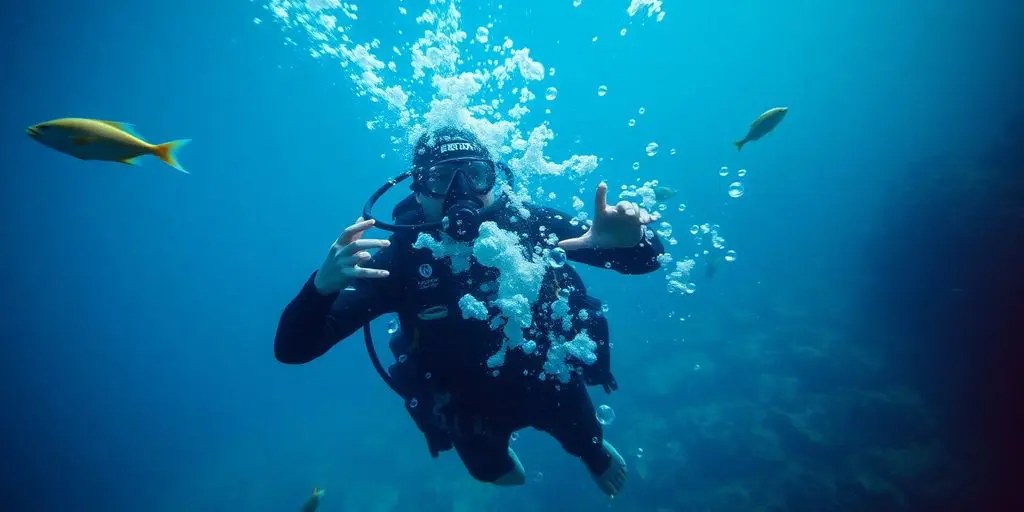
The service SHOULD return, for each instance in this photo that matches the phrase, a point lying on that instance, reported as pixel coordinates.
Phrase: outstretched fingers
(601, 199)
(365, 243)
(365, 273)
(573, 244)
(355, 231)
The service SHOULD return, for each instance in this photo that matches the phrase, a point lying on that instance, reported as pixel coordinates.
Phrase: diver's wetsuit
(486, 404)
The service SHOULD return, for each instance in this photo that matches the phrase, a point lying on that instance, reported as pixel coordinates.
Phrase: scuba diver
(442, 371)
(313, 502)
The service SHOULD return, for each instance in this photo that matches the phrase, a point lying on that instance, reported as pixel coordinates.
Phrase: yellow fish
(762, 125)
(91, 139)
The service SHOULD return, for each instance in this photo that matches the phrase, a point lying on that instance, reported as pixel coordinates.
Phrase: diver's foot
(515, 476)
(611, 481)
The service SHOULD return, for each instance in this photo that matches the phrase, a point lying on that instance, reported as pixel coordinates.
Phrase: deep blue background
(140, 304)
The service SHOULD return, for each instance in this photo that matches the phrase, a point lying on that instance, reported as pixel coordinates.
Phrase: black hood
(446, 144)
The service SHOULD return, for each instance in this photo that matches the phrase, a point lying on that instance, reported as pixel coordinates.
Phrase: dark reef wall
(950, 278)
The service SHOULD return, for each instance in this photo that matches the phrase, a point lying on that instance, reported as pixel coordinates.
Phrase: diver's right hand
(347, 253)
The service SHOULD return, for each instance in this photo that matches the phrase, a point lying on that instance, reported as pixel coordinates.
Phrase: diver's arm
(312, 322)
(639, 259)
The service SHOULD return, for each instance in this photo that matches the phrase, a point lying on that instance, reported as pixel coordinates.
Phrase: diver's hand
(342, 262)
(618, 227)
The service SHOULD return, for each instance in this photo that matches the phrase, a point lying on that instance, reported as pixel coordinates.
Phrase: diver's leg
(485, 452)
(573, 423)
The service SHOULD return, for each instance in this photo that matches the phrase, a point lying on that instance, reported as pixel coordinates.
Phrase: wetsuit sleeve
(640, 259)
(312, 323)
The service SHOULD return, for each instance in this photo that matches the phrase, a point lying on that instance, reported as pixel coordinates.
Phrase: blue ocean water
(141, 304)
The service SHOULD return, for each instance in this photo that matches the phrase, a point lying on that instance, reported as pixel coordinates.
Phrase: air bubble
(724, 171)
(605, 415)
(557, 257)
(636, 166)
(735, 190)
(741, 173)
(632, 123)
(602, 90)
(551, 93)
(392, 326)
(482, 34)
(730, 255)
(652, 149)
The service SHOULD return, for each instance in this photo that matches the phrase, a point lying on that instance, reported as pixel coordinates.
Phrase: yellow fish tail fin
(739, 144)
(168, 150)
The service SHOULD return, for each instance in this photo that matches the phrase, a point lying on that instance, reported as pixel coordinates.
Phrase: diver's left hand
(618, 227)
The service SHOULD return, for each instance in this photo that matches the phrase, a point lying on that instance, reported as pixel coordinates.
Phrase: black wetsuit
(486, 404)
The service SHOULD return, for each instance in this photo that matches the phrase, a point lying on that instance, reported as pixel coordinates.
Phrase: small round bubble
(735, 190)
(639, 453)
(682, 207)
(689, 288)
(514, 436)
(694, 229)
(642, 111)
(724, 171)
(602, 90)
(392, 326)
(577, 3)
(696, 367)
(636, 166)
(604, 308)
(672, 151)
(730, 255)
(557, 257)
(593, 440)
(652, 149)
(622, 32)
(632, 123)
(605, 415)
(402, 358)
(413, 403)
(741, 173)
(482, 34)
(427, 375)
(551, 93)
(537, 477)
